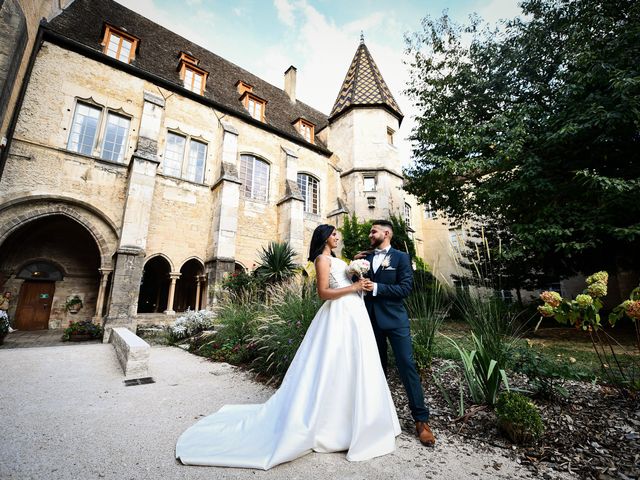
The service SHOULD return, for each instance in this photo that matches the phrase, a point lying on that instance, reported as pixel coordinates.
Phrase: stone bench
(132, 352)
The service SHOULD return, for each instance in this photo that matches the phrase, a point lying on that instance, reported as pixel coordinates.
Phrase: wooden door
(34, 305)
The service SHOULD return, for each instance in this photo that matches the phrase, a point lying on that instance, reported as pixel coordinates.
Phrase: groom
(391, 282)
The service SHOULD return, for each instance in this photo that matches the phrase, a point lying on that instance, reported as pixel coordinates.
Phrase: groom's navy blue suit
(390, 321)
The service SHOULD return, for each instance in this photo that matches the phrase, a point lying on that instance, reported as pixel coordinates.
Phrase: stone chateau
(139, 168)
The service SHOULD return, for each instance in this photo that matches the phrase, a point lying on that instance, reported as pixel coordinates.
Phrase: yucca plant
(483, 374)
(276, 262)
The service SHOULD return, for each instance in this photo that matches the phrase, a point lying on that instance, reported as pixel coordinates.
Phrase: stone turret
(363, 123)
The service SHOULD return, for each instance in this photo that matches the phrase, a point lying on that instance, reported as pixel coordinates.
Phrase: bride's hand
(360, 285)
(362, 254)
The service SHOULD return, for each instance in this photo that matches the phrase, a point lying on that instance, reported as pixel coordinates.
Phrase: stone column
(174, 276)
(196, 304)
(226, 200)
(204, 296)
(104, 278)
(291, 209)
(129, 261)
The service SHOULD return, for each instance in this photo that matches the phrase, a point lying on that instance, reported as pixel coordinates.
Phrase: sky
(318, 37)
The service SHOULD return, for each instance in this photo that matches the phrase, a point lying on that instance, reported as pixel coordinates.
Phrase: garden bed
(592, 434)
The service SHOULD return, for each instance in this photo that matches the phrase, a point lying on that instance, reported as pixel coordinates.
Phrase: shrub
(237, 319)
(238, 282)
(190, 323)
(546, 378)
(518, 418)
(281, 329)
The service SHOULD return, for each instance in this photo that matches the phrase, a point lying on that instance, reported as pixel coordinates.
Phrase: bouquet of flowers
(358, 267)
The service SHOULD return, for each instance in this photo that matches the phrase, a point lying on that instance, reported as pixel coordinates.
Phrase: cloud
(285, 12)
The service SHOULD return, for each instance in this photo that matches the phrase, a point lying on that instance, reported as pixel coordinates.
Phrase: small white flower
(386, 262)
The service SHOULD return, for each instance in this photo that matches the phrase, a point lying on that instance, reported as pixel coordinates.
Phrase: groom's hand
(367, 285)
(362, 254)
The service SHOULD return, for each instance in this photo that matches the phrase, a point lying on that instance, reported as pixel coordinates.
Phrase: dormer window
(193, 77)
(306, 129)
(243, 87)
(119, 45)
(254, 104)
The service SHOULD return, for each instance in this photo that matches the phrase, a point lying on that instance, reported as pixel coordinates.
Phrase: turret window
(369, 183)
(390, 133)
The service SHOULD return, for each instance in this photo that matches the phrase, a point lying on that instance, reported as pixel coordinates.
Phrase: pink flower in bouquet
(358, 267)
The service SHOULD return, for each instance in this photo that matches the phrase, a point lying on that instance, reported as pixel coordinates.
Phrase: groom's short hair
(384, 223)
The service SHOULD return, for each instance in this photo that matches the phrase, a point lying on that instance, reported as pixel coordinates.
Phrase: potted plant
(73, 304)
(4, 325)
(79, 331)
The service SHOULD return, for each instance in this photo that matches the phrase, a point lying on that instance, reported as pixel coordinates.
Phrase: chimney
(290, 82)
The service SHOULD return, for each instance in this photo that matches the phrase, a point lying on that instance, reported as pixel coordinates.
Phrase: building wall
(16, 43)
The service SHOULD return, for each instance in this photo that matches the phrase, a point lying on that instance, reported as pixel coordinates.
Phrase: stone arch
(153, 295)
(193, 257)
(189, 287)
(53, 262)
(153, 255)
(18, 212)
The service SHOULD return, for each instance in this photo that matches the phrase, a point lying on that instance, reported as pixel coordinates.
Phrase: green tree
(355, 236)
(533, 127)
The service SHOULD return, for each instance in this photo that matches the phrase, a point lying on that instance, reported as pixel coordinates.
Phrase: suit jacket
(395, 282)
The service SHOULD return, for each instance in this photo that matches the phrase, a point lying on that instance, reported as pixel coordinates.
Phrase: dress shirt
(378, 257)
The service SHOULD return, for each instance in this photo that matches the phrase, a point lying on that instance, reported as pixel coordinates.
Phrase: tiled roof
(158, 54)
(364, 86)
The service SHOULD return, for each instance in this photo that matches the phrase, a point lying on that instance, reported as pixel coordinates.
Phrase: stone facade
(127, 231)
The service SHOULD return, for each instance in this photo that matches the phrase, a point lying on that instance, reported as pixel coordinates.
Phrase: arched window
(308, 186)
(254, 175)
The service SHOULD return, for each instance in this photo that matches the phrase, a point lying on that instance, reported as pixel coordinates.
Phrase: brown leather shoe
(425, 434)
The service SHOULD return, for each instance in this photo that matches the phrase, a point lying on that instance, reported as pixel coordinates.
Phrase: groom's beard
(375, 243)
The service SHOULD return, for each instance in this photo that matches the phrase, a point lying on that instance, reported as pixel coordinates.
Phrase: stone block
(132, 352)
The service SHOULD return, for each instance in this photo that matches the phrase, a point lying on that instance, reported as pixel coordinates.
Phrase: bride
(334, 397)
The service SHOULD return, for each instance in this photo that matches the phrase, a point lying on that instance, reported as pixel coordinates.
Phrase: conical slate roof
(364, 86)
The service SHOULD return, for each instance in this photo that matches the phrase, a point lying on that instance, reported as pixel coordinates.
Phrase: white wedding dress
(334, 397)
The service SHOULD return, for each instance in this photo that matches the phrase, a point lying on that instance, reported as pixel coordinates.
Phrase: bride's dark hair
(319, 238)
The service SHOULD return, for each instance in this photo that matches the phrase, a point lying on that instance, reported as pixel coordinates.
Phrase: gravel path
(68, 415)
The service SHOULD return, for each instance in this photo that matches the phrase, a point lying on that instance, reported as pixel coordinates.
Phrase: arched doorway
(46, 262)
(189, 287)
(154, 286)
